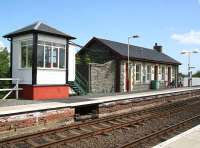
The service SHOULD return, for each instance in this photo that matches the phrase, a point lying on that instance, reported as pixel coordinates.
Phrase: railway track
(161, 133)
(73, 133)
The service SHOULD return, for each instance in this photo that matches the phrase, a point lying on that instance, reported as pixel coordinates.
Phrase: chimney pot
(157, 47)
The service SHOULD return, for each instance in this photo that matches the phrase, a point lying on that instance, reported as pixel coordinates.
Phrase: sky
(174, 24)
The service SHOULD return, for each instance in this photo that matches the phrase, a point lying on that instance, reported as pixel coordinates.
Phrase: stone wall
(141, 87)
(143, 83)
(122, 77)
(129, 105)
(102, 77)
(23, 120)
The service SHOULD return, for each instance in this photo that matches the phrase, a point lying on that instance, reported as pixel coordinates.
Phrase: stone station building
(108, 70)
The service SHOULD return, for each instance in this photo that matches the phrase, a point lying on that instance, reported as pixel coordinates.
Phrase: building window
(26, 53)
(163, 73)
(55, 57)
(148, 72)
(40, 56)
(138, 72)
(62, 58)
(50, 55)
(47, 56)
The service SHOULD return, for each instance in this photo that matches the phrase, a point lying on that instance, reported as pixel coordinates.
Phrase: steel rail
(162, 131)
(156, 109)
(111, 128)
(92, 122)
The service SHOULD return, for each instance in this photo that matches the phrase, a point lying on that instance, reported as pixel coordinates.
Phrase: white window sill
(42, 69)
(58, 69)
(24, 69)
(138, 82)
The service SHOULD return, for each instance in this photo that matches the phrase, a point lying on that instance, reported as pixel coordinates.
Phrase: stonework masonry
(102, 78)
(129, 105)
(143, 84)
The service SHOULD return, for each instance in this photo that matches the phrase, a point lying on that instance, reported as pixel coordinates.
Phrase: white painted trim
(53, 69)
(140, 72)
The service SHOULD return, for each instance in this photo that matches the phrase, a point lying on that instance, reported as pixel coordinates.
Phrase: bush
(197, 74)
(4, 69)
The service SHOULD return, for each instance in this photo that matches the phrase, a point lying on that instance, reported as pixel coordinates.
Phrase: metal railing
(10, 90)
(82, 82)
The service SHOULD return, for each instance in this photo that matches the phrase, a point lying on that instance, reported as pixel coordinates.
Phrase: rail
(82, 82)
(159, 132)
(120, 122)
(10, 90)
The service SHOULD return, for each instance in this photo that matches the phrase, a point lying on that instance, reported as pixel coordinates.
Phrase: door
(156, 73)
(169, 74)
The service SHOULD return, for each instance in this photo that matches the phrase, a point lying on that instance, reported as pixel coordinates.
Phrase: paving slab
(18, 106)
(188, 139)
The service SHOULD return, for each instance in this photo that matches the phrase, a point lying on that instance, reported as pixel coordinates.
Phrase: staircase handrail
(82, 83)
(81, 77)
(80, 88)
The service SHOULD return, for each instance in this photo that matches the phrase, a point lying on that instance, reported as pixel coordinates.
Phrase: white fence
(195, 81)
(10, 90)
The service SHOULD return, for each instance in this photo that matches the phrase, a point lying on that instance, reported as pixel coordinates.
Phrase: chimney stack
(157, 47)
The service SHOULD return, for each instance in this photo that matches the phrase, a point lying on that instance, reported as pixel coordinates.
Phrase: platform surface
(19, 106)
(188, 139)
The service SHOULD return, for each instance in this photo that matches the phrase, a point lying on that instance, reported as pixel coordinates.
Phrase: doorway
(155, 72)
(169, 74)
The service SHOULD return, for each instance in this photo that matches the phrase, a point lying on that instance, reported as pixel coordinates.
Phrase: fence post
(17, 89)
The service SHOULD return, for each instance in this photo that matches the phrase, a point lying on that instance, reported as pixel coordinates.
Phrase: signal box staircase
(80, 85)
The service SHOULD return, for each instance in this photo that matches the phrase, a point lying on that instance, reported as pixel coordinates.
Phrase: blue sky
(172, 23)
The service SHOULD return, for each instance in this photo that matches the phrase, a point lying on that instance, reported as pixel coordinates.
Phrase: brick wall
(22, 120)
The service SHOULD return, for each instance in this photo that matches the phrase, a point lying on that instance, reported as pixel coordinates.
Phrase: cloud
(192, 37)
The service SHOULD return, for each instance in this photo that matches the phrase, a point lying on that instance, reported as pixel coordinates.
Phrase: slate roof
(38, 27)
(139, 53)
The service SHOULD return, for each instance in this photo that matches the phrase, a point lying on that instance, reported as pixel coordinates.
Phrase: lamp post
(189, 53)
(134, 36)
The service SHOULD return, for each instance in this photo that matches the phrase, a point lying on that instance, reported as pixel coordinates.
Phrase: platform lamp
(134, 36)
(189, 53)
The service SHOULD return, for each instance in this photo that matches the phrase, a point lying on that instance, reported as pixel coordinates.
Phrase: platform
(188, 139)
(6, 107)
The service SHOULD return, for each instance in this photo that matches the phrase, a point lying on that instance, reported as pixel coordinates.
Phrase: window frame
(138, 72)
(173, 73)
(53, 46)
(64, 57)
(27, 45)
(148, 73)
(56, 57)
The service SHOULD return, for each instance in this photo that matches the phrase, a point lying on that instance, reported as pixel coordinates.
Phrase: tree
(4, 67)
(87, 59)
(78, 59)
(182, 75)
(83, 59)
(197, 74)
(4, 63)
